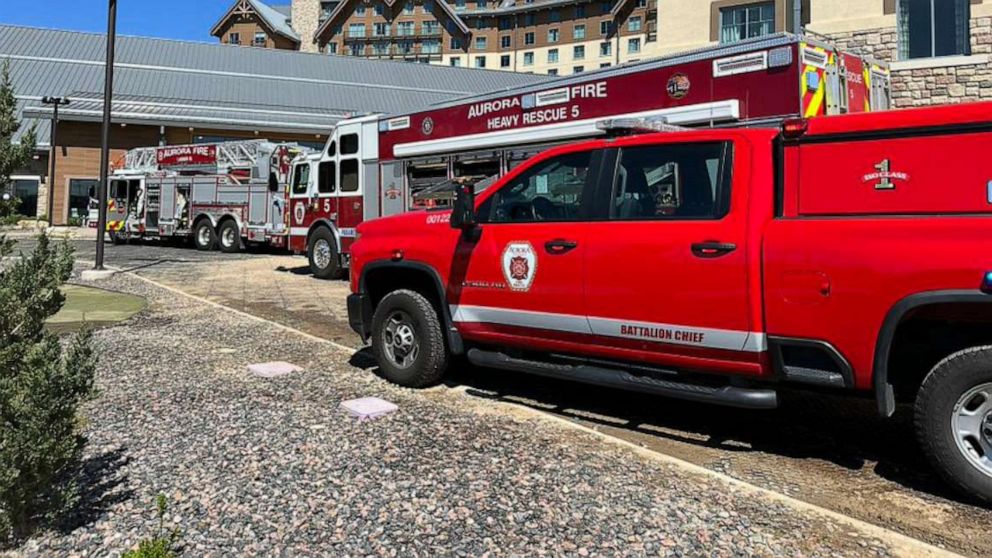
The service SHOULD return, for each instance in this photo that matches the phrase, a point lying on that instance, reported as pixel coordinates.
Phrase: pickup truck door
(519, 281)
(666, 267)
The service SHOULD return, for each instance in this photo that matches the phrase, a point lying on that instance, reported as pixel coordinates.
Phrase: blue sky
(173, 19)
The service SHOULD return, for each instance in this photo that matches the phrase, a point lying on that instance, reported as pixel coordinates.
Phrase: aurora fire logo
(519, 265)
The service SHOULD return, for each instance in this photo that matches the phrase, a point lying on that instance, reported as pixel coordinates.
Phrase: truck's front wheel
(408, 340)
(323, 254)
(953, 418)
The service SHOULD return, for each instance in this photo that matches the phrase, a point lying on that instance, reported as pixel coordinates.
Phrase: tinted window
(301, 179)
(332, 149)
(349, 174)
(551, 191)
(349, 144)
(689, 181)
(326, 177)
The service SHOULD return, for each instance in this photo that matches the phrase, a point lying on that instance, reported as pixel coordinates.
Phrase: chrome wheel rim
(203, 235)
(228, 237)
(322, 254)
(399, 340)
(971, 423)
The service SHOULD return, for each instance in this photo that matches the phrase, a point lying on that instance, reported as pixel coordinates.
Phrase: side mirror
(463, 210)
(273, 182)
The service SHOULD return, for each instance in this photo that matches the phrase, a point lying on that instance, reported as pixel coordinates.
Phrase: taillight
(795, 128)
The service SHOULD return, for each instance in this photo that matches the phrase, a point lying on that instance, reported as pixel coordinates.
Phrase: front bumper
(360, 314)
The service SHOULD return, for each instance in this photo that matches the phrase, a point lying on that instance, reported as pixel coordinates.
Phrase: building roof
(274, 18)
(339, 10)
(220, 86)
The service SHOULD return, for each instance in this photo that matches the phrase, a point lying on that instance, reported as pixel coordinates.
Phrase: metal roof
(171, 76)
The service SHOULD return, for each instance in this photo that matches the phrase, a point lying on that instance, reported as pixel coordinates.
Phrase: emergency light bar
(639, 125)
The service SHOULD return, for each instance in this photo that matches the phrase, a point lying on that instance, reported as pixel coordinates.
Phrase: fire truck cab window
(349, 175)
(332, 149)
(690, 181)
(326, 179)
(551, 191)
(301, 178)
(349, 144)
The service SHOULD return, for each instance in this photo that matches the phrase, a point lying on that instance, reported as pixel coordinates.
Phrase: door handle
(712, 249)
(559, 246)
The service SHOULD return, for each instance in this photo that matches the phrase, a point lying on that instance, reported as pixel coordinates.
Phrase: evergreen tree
(12, 156)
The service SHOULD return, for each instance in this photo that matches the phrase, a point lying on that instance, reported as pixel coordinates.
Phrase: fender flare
(884, 391)
(237, 221)
(454, 338)
(199, 216)
(323, 222)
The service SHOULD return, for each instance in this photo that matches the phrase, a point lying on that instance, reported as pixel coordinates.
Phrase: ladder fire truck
(378, 165)
(220, 195)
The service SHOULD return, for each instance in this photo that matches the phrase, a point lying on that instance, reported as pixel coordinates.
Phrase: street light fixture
(53, 142)
(108, 95)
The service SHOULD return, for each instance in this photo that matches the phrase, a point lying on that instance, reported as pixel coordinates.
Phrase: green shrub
(42, 384)
(11, 219)
(163, 544)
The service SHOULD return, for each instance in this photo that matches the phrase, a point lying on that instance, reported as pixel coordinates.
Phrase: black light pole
(108, 95)
(52, 143)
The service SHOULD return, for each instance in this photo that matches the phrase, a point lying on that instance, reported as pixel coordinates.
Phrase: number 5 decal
(327, 205)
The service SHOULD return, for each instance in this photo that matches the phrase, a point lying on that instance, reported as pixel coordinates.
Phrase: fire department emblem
(299, 212)
(427, 126)
(678, 86)
(519, 265)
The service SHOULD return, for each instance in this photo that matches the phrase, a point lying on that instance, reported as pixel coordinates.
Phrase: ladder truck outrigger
(380, 165)
(219, 195)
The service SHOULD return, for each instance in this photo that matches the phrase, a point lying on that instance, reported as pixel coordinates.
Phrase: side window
(332, 149)
(551, 191)
(349, 175)
(349, 144)
(326, 179)
(688, 181)
(301, 178)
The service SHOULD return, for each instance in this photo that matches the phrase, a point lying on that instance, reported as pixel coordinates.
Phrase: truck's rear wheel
(323, 254)
(953, 418)
(408, 340)
(229, 237)
(203, 235)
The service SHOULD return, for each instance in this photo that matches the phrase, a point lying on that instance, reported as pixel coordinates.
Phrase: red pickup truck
(849, 253)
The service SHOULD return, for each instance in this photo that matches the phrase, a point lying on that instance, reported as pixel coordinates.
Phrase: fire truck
(374, 166)
(221, 195)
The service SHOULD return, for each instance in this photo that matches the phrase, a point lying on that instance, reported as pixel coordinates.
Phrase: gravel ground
(272, 467)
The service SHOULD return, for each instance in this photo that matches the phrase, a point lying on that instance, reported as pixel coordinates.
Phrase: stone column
(306, 20)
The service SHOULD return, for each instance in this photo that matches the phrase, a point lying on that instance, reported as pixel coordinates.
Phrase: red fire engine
(220, 195)
(375, 166)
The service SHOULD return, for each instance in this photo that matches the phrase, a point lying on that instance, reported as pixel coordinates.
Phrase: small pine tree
(13, 156)
(42, 384)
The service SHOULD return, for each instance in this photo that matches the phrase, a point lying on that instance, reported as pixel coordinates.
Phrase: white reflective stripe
(521, 318)
(299, 231)
(672, 334)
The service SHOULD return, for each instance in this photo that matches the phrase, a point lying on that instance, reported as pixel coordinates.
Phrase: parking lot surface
(835, 453)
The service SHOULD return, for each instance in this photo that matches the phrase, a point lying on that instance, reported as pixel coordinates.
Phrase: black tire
(229, 237)
(431, 360)
(116, 238)
(322, 251)
(943, 387)
(204, 237)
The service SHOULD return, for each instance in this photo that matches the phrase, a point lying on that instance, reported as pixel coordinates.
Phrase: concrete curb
(901, 545)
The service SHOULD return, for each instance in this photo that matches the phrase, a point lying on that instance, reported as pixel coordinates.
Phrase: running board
(731, 396)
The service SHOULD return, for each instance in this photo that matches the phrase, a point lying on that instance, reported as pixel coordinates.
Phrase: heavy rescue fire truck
(220, 195)
(375, 166)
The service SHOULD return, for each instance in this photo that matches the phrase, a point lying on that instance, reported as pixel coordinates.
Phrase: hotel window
(553, 56)
(529, 20)
(553, 35)
(456, 43)
(580, 10)
(455, 61)
(605, 27)
(408, 8)
(579, 52)
(430, 46)
(640, 3)
(428, 6)
(579, 32)
(380, 48)
(554, 16)
(634, 23)
(480, 61)
(404, 47)
(528, 59)
(404, 28)
(634, 45)
(380, 29)
(744, 22)
(234, 39)
(260, 39)
(505, 23)
(480, 43)
(81, 191)
(380, 8)
(332, 48)
(356, 30)
(480, 4)
(360, 10)
(459, 5)
(605, 49)
(480, 23)
(528, 38)
(505, 41)
(504, 61)
(553, 72)
(606, 7)
(605, 65)
(578, 69)
(930, 28)
(431, 28)
(356, 50)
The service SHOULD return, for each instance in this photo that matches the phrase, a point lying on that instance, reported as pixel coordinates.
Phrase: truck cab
(842, 253)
